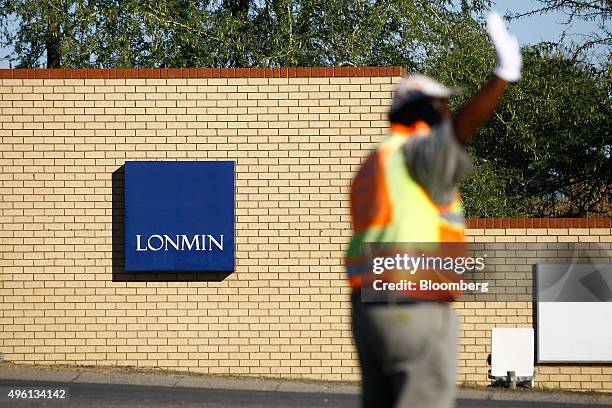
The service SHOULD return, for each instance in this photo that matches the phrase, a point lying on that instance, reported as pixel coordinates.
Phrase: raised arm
(480, 107)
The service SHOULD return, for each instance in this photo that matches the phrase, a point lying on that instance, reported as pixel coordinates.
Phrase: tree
(229, 33)
(548, 149)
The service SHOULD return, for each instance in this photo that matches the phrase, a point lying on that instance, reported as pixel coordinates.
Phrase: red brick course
(131, 73)
(588, 222)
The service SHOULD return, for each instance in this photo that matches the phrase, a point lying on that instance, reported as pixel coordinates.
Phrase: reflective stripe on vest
(388, 205)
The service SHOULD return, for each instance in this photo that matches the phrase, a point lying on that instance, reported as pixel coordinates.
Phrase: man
(405, 193)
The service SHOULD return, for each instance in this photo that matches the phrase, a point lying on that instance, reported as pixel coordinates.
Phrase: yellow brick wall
(285, 311)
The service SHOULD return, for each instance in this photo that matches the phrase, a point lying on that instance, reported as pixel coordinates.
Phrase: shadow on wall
(118, 236)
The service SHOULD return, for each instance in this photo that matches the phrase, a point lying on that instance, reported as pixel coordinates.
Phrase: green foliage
(484, 194)
(547, 150)
(230, 33)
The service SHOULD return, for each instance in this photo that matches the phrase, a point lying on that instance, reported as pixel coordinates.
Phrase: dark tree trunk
(52, 42)
(238, 7)
(53, 56)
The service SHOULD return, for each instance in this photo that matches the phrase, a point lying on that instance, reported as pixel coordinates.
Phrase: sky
(531, 30)
(538, 28)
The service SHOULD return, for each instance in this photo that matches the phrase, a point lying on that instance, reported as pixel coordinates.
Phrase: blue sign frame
(179, 216)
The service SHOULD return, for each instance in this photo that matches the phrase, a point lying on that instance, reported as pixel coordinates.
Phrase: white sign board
(574, 313)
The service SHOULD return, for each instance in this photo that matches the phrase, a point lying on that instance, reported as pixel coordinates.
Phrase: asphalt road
(132, 396)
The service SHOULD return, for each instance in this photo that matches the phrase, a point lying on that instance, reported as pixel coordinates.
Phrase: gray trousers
(408, 354)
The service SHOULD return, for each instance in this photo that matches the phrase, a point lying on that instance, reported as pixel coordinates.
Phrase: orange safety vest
(389, 206)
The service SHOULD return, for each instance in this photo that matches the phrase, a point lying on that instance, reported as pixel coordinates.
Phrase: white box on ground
(512, 350)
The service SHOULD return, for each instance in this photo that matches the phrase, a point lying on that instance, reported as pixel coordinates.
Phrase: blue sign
(179, 216)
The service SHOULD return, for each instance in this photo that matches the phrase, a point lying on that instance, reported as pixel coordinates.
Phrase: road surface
(90, 395)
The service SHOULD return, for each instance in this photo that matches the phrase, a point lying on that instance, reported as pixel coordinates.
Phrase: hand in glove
(509, 60)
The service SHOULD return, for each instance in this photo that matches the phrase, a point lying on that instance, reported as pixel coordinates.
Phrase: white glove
(509, 60)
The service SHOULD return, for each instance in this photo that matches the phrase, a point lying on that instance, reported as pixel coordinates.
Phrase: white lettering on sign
(190, 244)
(179, 242)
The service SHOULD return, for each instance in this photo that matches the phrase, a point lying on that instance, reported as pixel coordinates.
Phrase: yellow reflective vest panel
(390, 207)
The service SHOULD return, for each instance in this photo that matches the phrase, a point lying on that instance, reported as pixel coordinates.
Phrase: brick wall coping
(132, 73)
(587, 222)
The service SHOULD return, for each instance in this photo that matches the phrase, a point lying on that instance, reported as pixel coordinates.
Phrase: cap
(417, 86)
